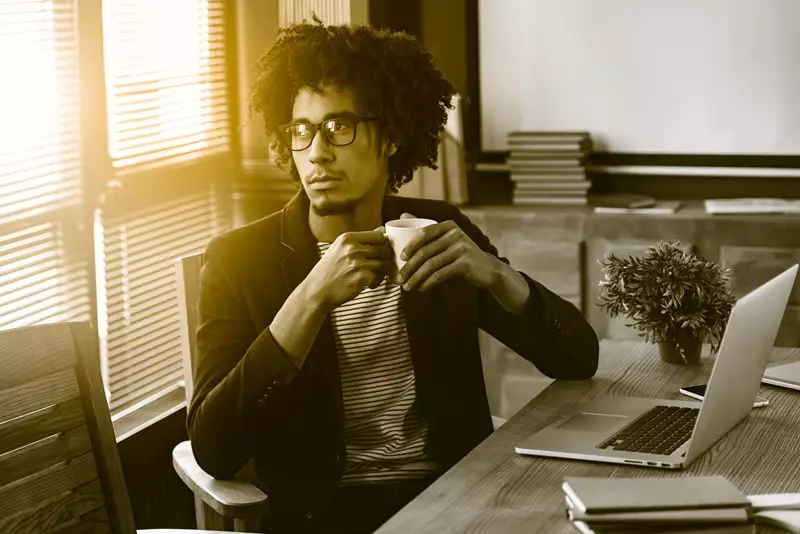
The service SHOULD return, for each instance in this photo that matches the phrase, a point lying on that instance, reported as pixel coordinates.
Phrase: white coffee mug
(399, 233)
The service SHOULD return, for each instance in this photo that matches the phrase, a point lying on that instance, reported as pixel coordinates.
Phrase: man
(353, 394)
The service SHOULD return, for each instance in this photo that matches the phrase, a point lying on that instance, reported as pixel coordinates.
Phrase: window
(109, 215)
(169, 144)
(165, 79)
(44, 274)
(141, 345)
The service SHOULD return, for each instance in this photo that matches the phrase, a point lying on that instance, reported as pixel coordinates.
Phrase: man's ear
(391, 148)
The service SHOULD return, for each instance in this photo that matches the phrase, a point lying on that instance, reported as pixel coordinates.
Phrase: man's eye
(301, 130)
(338, 126)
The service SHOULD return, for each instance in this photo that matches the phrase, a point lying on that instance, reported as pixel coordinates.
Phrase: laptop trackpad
(593, 422)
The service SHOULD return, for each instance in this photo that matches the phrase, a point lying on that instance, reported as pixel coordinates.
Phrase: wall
(444, 33)
(159, 498)
(256, 29)
(647, 76)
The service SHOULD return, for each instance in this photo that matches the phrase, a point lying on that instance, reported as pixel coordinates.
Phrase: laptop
(671, 434)
(786, 375)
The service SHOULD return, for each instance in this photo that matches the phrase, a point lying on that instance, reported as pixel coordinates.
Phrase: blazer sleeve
(550, 332)
(238, 373)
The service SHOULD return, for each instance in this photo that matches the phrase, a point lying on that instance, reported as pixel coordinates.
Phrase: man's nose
(320, 150)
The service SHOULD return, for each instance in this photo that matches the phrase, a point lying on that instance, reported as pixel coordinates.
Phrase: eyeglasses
(340, 131)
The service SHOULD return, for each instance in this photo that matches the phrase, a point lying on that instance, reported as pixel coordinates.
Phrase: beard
(326, 206)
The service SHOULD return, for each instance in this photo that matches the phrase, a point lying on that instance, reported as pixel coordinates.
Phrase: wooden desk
(494, 489)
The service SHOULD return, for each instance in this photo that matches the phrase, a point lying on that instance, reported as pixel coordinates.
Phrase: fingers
(373, 251)
(423, 251)
(376, 265)
(369, 244)
(375, 271)
(407, 216)
(377, 279)
(431, 272)
(427, 234)
(369, 237)
(448, 271)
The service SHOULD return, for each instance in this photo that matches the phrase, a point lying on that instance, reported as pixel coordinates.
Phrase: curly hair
(392, 75)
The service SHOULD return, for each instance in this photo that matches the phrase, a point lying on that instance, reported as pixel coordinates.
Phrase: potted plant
(670, 295)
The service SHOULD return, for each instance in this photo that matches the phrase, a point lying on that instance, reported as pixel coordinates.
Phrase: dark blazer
(250, 401)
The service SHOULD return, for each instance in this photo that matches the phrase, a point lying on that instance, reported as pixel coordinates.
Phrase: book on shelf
(583, 185)
(751, 205)
(535, 148)
(555, 197)
(550, 201)
(661, 207)
(518, 169)
(624, 200)
(528, 176)
(576, 157)
(544, 164)
(523, 156)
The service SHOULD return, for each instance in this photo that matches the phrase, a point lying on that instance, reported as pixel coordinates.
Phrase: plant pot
(684, 348)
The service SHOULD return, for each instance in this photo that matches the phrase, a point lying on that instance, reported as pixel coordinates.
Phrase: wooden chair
(219, 504)
(59, 465)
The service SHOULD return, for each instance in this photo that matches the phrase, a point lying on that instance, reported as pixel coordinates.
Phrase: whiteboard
(644, 76)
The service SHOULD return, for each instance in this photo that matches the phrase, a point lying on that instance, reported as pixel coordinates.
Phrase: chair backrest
(187, 271)
(59, 464)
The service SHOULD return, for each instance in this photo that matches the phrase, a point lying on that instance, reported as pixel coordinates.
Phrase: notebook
(665, 517)
(585, 528)
(597, 495)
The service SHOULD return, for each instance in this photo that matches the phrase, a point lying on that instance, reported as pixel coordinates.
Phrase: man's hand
(441, 251)
(354, 261)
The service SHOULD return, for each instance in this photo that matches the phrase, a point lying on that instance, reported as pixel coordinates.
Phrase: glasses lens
(301, 135)
(340, 132)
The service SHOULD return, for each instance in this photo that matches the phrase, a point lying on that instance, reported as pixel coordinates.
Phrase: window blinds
(165, 81)
(141, 335)
(43, 271)
(168, 135)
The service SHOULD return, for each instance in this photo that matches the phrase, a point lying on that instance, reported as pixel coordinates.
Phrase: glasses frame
(317, 128)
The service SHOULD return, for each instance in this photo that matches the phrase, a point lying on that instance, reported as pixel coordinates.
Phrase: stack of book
(701, 504)
(549, 167)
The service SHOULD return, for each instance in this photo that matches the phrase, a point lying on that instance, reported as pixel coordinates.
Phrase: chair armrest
(229, 498)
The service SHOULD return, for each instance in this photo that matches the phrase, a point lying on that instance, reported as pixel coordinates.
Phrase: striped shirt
(385, 432)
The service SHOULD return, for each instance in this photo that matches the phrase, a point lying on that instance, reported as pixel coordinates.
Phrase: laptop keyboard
(660, 430)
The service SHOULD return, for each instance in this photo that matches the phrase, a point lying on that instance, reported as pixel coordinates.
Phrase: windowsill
(149, 414)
